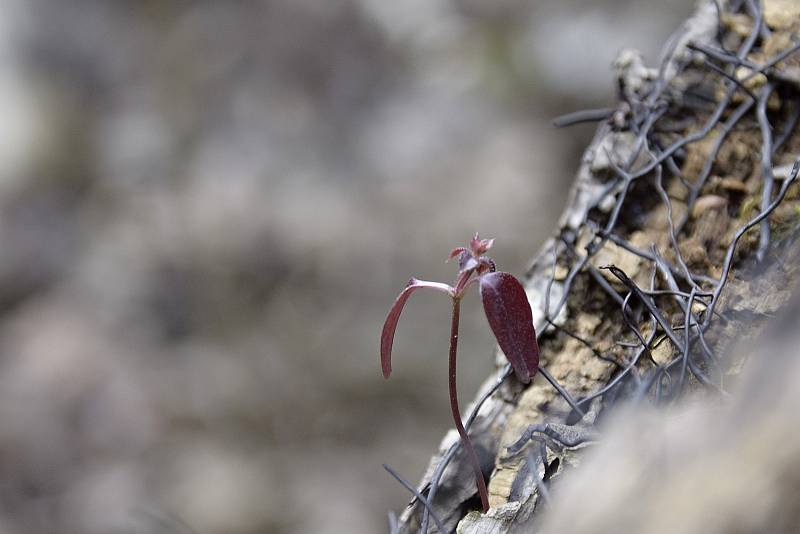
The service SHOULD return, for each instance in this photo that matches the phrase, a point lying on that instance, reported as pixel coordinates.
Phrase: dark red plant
(510, 319)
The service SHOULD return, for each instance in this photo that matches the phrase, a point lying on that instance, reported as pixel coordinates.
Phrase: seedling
(510, 319)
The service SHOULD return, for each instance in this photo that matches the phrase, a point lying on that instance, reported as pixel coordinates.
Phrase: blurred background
(206, 209)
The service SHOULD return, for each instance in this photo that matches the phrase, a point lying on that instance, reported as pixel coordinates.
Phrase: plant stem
(473, 458)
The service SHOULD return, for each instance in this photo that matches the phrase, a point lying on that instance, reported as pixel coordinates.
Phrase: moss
(748, 208)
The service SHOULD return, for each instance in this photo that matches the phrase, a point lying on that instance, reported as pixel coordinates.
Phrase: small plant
(510, 319)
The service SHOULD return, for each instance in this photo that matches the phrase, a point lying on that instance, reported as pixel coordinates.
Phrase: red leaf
(467, 262)
(387, 336)
(455, 252)
(511, 321)
(480, 246)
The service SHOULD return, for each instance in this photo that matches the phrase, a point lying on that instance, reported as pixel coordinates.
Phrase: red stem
(473, 458)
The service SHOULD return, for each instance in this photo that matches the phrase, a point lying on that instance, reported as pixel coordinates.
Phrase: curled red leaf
(479, 246)
(467, 262)
(458, 251)
(510, 318)
(389, 327)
